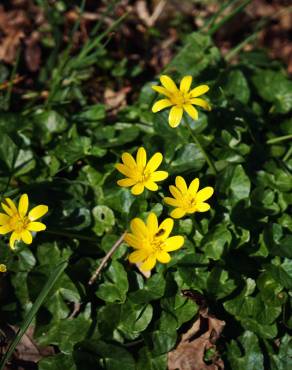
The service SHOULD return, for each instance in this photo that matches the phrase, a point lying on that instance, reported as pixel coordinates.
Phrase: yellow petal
(13, 238)
(166, 226)
(4, 218)
(161, 104)
(3, 268)
(181, 184)
(126, 182)
(159, 175)
(124, 170)
(148, 264)
(5, 229)
(36, 226)
(137, 189)
(175, 116)
(191, 111)
(141, 158)
(128, 160)
(194, 186)
(11, 204)
(201, 103)
(175, 192)
(150, 185)
(163, 257)
(137, 256)
(152, 223)
(185, 84)
(171, 201)
(173, 243)
(154, 162)
(138, 228)
(133, 241)
(169, 84)
(202, 207)
(38, 212)
(26, 237)
(23, 205)
(177, 213)
(199, 90)
(7, 209)
(161, 90)
(204, 194)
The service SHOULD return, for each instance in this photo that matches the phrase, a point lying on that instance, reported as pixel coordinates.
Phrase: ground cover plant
(146, 206)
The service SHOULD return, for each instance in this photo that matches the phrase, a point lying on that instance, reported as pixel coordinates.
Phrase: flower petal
(201, 103)
(181, 184)
(173, 243)
(3, 268)
(150, 185)
(128, 160)
(161, 104)
(137, 256)
(26, 237)
(11, 204)
(191, 111)
(172, 202)
(202, 207)
(161, 90)
(36, 226)
(175, 116)
(5, 229)
(159, 175)
(38, 212)
(23, 205)
(4, 218)
(204, 194)
(133, 241)
(175, 192)
(169, 84)
(126, 182)
(199, 90)
(194, 186)
(178, 213)
(138, 228)
(141, 158)
(137, 189)
(185, 84)
(154, 162)
(148, 264)
(166, 226)
(13, 238)
(7, 209)
(163, 257)
(125, 170)
(152, 223)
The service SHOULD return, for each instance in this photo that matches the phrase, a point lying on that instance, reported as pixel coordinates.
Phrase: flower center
(18, 223)
(179, 98)
(157, 245)
(144, 176)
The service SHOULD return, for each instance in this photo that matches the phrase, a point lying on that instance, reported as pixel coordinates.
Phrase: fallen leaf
(201, 337)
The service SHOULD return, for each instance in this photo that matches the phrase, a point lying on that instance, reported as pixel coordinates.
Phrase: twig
(106, 258)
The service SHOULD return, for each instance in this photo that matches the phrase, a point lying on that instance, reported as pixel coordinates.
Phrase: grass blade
(54, 276)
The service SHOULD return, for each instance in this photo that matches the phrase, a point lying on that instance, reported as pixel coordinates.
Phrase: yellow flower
(152, 241)
(18, 222)
(3, 268)
(139, 173)
(188, 199)
(181, 99)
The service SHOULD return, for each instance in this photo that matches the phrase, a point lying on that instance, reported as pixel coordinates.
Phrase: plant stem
(279, 139)
(287, 155)
(106, 258)
(197, 141)
(54, 276)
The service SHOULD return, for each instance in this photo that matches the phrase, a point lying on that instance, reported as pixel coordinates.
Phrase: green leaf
(152, 290)
(57, 362)
(216, 241)
(234, 85)
(104, 219)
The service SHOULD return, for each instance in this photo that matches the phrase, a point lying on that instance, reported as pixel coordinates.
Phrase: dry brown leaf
(202, 336)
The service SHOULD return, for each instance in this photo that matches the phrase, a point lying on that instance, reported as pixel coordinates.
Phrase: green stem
(197, 141)
(288, 154)
(70, 235)
(279, 139)
(54, 276)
